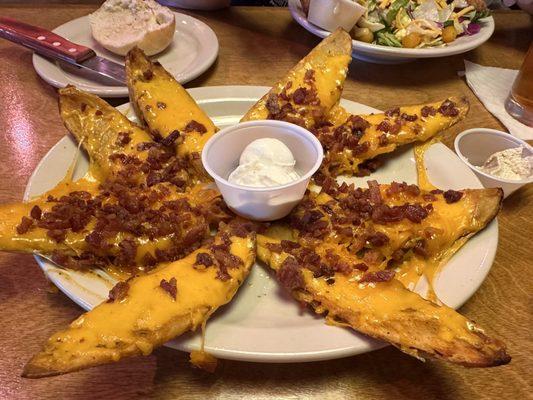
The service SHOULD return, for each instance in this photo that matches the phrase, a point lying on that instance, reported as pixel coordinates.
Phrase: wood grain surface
(257, 46)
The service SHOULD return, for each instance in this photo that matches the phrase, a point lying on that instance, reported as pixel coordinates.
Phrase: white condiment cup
(332, 14)
(475, 146)
(221, 154)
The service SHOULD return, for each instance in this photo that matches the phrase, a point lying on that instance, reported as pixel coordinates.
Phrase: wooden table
(257, 46)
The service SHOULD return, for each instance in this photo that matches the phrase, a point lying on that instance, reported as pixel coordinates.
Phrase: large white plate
(262, 323)
(393, 55)
(193, 50)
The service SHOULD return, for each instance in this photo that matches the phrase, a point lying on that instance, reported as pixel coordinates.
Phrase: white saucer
(193, 51)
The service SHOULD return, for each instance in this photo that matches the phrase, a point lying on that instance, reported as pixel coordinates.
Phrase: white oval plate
(263, 323)
(379, 54)
(193, 50)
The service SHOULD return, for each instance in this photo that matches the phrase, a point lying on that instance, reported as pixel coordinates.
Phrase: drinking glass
(519, 104)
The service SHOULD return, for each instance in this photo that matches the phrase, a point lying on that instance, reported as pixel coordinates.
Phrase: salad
(418, 23)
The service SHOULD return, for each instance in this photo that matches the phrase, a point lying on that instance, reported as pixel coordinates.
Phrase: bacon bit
(290, 274)
(383, 140)
(407, 117)
(148, 74)
(384, 126)
(372, 256)
(344, 231)
(448, 109)
(397, 255)
(383, 214)
(395, 128)
(374, 192)
(412, 190)
(149, 261)
(274, 247)
(427, 111)
(127, 253)
(309, 76)
(24, 226)
(436, 191)
(83, 107)
(361, 266)
(58, 235)
(379, 276)
(378, 239)
(170, 287)
(95, 239)
(119, 292)
(204, 259)
(36, 212)
(360, 148)
(415, 213)
(299, 95)
(161, 105)
(392, 112)
(148, 107)
(288, 245)
(452, 196)
(170, 139)
(330, 281)
(195, 126)
(123, 139)
(98, 113)
(429, 197)
(421, 249)
(272, 104)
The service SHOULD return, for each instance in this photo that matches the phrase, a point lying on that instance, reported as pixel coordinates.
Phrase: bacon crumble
(118, 292)
(170, 287)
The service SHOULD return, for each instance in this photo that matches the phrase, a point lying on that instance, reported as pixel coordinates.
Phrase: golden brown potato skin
(147, 315)
(333, 276)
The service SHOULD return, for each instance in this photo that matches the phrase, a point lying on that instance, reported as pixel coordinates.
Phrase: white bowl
(378, 54)
(221, 154)
(475, 146)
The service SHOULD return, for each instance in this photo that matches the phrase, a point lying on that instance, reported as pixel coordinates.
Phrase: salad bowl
(381, 54)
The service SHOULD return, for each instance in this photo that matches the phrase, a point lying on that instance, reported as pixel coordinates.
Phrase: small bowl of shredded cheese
(497, 158)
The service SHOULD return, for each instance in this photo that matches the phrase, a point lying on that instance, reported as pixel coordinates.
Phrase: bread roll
(120, 25)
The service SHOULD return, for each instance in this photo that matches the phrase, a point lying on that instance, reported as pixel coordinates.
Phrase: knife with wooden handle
(51, 45)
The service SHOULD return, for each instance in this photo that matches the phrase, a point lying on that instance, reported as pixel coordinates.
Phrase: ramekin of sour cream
(497, 158)
(262, 168)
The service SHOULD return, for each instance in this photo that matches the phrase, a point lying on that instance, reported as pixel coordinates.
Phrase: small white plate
(379, 54)
(193, 50)
(262, 323)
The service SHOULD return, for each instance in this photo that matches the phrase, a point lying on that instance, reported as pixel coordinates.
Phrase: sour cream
(513, 164)
(265, 162)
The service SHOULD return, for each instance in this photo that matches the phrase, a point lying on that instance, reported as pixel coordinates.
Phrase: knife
(53, 46)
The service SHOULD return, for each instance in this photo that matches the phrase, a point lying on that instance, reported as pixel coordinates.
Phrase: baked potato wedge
(102, 130)
(391, 226)
(147, 311)
(309, 90)
(381, 308)
(350, 140)
(166, 108)
(134, 201)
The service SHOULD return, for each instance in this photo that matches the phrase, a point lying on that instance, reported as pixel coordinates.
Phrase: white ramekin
(475, 146)
(333, 14)
(221, 154)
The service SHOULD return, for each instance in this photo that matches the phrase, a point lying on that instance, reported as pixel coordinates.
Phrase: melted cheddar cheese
(329, 63)
(146, 317)
(164, 105)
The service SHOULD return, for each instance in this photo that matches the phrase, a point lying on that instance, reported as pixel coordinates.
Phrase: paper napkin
(492, 86)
